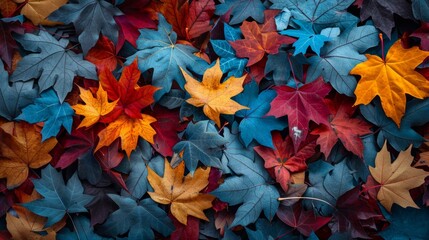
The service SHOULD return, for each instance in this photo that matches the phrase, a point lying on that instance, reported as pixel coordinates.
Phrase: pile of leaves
(214, 119)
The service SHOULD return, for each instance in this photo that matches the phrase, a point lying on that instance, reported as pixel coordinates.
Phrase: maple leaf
(259, 39)
(48, 109)
(132, 98)
(397, 178)
(213, 96)
(94, 108)
(283, 158)
(14, 98)
(342, 127)
(420, 10)
(304, 221)
(20, 150)
(28, 225)
(52, 62)
(381, 12)
(129, 130)
(103, 55)
(301, 105)
(198, 19)
(182, 192)
(175, 12)
(241, 10)
(90, 18)
(39, 10)
(391, 79)
(59, 198)
(159, 50)
(7, 41)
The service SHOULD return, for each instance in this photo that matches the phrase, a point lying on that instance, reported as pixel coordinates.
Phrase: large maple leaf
(129, 130)
(396, 179)
(132, 98)
(90, 18)
(213, 96)
(52, 62)
(283, 158)
(301, 105)
(95, 108)
(21, 148)
(59, 199)
(159, 50)
(182, 192)
(342, 127)
(391, 79)
(260, 39)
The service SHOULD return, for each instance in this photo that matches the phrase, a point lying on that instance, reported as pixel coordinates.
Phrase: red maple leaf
(342, 127)
(103, 55)
(260, 39)
(423, 33)
(132, 98)
(301, 105)
(283, 158)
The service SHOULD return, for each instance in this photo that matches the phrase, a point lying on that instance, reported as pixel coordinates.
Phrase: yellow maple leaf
(213, 96)
(392, 79)
(21, 148)
(182, 192)
(39, 10)
(397, 178)
(128, 129)
(94, 108)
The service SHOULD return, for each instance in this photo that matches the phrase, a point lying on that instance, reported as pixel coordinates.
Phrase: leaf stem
(307, 198)
(380, 35)
(74, 226)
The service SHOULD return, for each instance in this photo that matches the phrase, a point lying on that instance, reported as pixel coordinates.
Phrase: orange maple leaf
(182, 192)
(21, 148)
(391, 79)
(94, 108)
(129, 130)
(213, 96)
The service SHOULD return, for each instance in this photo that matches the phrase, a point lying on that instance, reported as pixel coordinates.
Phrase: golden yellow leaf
(392, 79)
(213, 96)
(397, 178)
(22, 148)
(94, 108)
(182, 192)
(128, 129)
(39, 10)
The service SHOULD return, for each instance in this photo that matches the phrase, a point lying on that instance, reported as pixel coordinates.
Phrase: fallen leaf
(213, 96)
(21, 150)
(396, 179)
(103, 55)
(391, 79)
(39, 10)
(182, 192)
(129, 130)
(95, 108)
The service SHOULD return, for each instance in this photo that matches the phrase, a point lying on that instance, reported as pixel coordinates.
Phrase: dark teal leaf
(48, 109)
(173, 99)
(83, 231)
(255, 125)
(241, 10)
(407, 223)
(90, 18)
(421, 10)
(416, 114)
(158, 50)
(58, 198)
(14, 97)
(139, 220)
(201, 143)
(282, 75)
(341, 55)
(52, 63)
(251, 188)
(274, 230)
